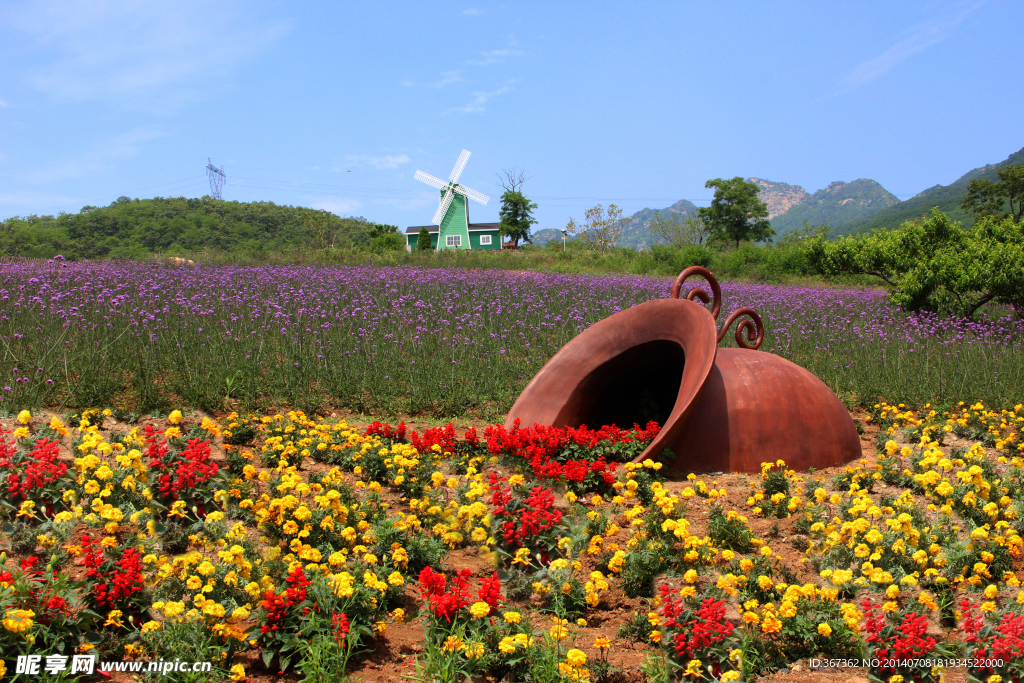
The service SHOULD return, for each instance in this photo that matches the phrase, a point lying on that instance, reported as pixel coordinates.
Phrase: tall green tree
(423, 240)
(516, 217)
(736, 214)
(986, 198)
(516, 214)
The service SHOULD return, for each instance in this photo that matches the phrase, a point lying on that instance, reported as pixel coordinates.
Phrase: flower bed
(288, 548)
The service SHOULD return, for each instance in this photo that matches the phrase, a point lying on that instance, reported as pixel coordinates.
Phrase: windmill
(452, 215)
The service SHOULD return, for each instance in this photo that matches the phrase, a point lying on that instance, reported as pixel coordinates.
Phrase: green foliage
(680, 230)
(423, 240)
(736, 214)
(391, 241)
(137, 228)
(986, 198)
(599, 231)
(934, 265)
(729, 531)
(516, 217)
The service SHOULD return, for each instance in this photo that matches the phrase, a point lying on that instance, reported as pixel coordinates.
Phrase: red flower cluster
(907, 641)
(445, 602)
(276, 606)
(545, 448)
(123, 582)
(442, 602)
(40, 597)
(441, 436)
(694, 632)
(1002, 641)
(178, 473)
(386, 431)
(527, 519)
(490, 591)
(341, 626)
(34, 471)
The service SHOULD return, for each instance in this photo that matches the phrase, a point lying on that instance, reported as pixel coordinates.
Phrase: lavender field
(440, 342)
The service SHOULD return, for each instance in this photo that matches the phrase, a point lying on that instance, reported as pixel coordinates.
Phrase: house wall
(455, 223)
(474, 239)
(413, 239)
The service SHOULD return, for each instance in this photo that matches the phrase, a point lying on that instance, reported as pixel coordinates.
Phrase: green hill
(838, 203)
(136, 228)
(947, 197)
(637, 234)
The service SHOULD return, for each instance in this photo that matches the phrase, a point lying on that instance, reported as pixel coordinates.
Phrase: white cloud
(133, 49)
(379, 163)
(472, 12)
(407, 83)
(917, 39)
(97, 158)
(447, 78)
(338, 205)
(480, 99)
(494, 56)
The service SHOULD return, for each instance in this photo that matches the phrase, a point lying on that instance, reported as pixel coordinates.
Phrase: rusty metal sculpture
(720, 409)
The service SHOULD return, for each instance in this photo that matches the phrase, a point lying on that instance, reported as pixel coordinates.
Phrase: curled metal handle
(754, 328)
(697, 292)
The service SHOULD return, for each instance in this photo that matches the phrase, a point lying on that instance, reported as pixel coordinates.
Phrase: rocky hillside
(780, 197)
(838, 203)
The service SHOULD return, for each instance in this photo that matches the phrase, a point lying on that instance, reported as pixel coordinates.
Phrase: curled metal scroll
(753, 327)
(697, 292)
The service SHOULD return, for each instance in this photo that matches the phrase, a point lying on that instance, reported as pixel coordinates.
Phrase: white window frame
(485, 239)
(453, 241)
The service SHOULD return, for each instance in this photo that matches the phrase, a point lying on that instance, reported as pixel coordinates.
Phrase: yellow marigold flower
(151, 626)
(18, 620)
(480, 609)
(237, 673)
(175, 417)
(559, 632)
(576, 657)
(395, 579)
(516, 480)
(172, 432)
(991, 591)
(398, 615)
(825, 630)
(453, 644)
(512, 617)
(602, 643)
(24, 417)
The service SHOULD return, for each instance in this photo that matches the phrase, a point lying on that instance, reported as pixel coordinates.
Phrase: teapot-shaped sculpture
(723, 409)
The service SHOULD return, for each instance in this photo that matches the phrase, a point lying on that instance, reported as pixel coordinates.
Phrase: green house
(456, 232)
(451, 228)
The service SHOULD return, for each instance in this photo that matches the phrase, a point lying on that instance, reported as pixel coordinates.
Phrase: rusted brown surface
(580, 384)
(757, 407)
(720, 409)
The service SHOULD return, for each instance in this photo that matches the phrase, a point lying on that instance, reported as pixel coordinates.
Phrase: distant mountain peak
(780, 197)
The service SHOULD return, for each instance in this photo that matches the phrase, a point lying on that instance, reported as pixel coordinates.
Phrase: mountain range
(851, 208)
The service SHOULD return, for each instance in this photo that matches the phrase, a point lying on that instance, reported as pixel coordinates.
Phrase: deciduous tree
(986, 198)
(599, 231)
(736, 214)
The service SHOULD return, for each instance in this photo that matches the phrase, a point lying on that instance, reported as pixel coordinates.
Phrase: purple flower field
(436, 341)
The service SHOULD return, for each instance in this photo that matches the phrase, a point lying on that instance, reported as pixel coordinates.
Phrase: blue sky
(336, 105)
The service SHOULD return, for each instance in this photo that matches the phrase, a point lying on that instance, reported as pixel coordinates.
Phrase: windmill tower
(452, 213)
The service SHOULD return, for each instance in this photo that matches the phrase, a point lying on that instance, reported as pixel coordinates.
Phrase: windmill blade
(446, 201)
(472, 194)
(459, 165)
(430, 180)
